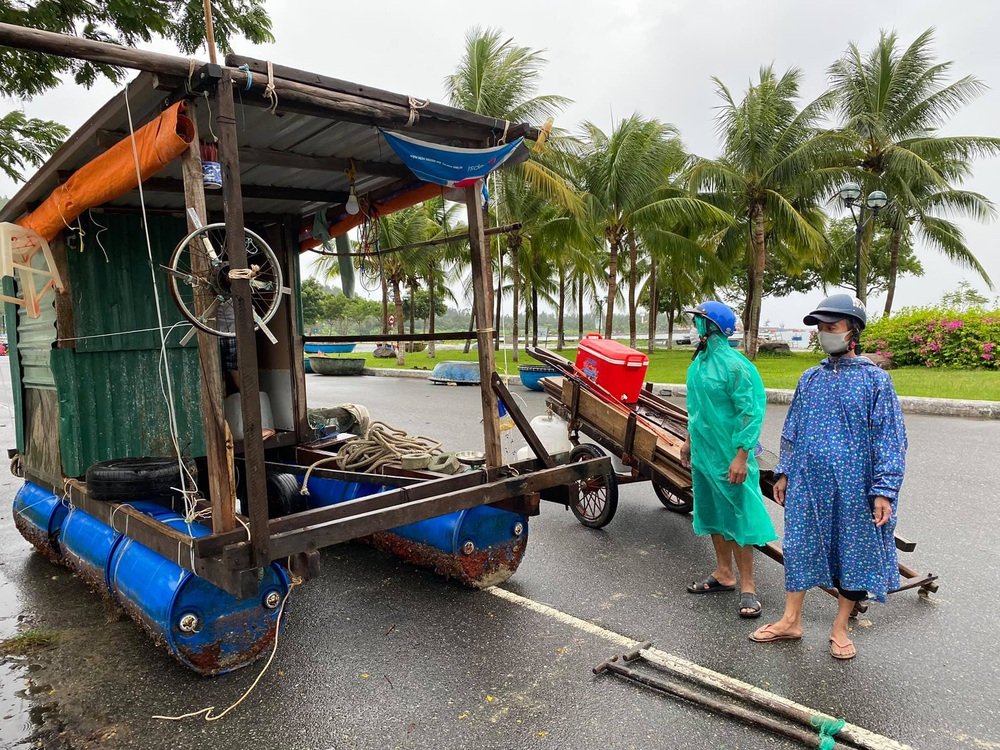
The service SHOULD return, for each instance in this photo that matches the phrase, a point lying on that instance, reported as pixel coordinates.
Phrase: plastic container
(613, 366)
(234, 414)
(207, 629)
(39, 516)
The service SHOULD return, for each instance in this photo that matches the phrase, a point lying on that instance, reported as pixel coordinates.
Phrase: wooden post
(289, 233)
(482, 305)
(222, 499)
(210, 32)
(246, 338)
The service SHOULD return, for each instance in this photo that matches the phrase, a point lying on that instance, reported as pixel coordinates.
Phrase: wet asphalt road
(380, 654)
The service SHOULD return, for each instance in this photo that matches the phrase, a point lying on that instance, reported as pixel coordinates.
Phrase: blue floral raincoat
(843, 444)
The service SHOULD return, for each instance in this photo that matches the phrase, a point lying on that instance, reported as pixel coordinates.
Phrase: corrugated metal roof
(287, 132)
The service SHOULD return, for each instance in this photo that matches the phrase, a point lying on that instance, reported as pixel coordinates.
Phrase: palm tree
(623, 175)
(775, 161)
(892, 103)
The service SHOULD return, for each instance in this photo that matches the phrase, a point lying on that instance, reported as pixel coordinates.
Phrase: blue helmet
(720, 314)
(838, 307)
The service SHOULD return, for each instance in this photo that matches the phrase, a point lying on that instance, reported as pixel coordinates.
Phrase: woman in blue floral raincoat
(843, 450)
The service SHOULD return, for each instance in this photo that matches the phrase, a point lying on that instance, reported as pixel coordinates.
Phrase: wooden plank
(212, 411)
(430, 243)
(264, 192)
(65, 320)
(246, 338)
(612, 422)
(346, 339)
(362, 524)
(482, 303)
(290, 242)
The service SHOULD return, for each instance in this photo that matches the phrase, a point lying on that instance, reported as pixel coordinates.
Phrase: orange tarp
(113, 173)
(424, 191)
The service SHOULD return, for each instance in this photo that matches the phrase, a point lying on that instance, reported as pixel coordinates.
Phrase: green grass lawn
(776, 372)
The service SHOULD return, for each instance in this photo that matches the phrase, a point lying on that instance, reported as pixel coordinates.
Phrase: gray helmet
(838, 307)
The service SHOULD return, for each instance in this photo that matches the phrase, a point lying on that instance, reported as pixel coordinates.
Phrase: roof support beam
(265, 192)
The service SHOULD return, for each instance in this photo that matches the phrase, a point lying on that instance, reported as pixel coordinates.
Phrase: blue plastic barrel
(324, 492)
(207, 629)
(39, 516)
(87, 543)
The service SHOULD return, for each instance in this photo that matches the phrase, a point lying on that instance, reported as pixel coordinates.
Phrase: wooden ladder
(18, 247)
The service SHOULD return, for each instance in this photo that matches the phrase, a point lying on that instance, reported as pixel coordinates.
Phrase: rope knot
(415, 104)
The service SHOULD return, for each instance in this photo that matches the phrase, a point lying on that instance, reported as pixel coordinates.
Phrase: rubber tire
(586, 452)
(148, 478)
(672, 502)
(283, 495)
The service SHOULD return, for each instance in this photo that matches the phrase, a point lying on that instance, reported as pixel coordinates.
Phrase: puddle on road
(20, 713)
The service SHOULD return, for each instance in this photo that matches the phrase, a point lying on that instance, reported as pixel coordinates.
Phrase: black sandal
(749, 600)
(708, 586)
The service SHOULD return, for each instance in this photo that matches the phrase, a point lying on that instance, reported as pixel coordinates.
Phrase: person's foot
(842, 647)
(777, 631)
(750, 605)
(716, 582)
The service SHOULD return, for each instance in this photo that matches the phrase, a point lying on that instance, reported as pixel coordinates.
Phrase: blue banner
(452, 166)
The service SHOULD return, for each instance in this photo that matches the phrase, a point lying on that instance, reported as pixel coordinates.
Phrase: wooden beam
(290, 246)
(288, 159)
(246, 337)
(212, 412)
(482, 303)
(506, 229)
(431, 109)
(377, 338)
(264, 192)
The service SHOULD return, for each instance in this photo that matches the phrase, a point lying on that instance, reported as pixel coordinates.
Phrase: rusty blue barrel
(480, 547)
(39, 516)
(207, 629)
(87, 543)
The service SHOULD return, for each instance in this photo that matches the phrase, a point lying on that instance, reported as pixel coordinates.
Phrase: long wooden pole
(210, 33)
(246, 337)
(302, 97)
(482, 305)
(432, 243)
(220, 494)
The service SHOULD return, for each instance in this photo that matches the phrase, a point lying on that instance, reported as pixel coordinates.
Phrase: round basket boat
(455, 372)
(329, 348)
(531, 375)
(337, 365)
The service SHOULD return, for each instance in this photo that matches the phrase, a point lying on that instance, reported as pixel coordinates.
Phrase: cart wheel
(673, 502)
(598, 495)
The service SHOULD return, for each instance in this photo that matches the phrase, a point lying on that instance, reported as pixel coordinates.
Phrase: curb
(941, 407)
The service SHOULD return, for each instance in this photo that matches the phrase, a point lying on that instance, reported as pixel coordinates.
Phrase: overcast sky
(649, 56)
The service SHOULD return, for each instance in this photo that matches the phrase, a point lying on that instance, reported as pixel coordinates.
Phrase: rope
(415, 104)
(249, 83)
(207, 712)
(828, 729)
(506, 127)
(269, 90)
(119, 333)
(244, 273)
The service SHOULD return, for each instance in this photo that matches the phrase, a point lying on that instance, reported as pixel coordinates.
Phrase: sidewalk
(942, 407)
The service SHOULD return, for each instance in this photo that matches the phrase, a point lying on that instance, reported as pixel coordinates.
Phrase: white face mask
(835, 344)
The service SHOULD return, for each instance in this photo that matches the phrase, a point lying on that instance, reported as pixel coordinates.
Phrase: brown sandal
(843, 657)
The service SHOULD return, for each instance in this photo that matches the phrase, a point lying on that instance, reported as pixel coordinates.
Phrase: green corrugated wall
(110, 399)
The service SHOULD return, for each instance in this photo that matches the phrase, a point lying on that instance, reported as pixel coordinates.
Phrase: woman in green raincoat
(726, 403)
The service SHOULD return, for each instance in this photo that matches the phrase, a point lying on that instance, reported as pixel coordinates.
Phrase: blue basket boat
(531, 375)
(455, 372)
(329, 348)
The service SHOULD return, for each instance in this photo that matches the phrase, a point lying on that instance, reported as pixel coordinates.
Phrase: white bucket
(234, 414)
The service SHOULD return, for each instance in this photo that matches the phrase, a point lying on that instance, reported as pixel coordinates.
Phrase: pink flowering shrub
(937, 337)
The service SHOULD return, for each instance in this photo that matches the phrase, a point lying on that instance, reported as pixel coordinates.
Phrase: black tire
(671, 501)
(598, 495)
(149, 478)
(283, 496)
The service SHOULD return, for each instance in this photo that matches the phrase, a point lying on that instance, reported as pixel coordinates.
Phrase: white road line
(872, 739)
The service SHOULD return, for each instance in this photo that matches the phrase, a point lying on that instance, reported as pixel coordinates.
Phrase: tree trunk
(757, 288)
(385, 305)
(579, 308)
(654, 304)
(472, 328)
(632, 273)
(894, 240)
(499, 310)
(515, 276)
(413, 307)
(534, 315)
(561, 318)
(527, 318)
(400, 324)
(609, 313)
(670, 327)
(430, 290)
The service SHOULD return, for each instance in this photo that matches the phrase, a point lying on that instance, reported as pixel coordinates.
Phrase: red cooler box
(615, 367)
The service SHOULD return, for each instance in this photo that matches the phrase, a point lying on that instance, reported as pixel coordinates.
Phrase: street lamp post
(850, 193)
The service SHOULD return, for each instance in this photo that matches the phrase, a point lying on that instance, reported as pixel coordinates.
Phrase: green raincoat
(726, 403)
